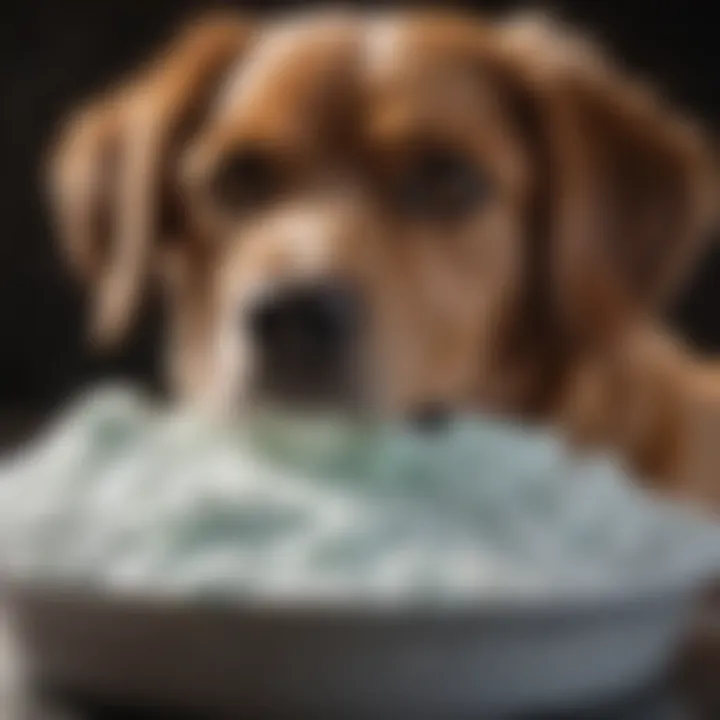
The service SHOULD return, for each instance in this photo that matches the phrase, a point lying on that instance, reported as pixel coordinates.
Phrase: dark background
(57, 51)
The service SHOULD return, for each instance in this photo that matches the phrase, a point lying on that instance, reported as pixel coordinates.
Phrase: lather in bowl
(351, 641)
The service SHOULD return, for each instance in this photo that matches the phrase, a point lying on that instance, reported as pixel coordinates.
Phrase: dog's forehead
(391, 46)
(419, 43)
(287, 58)
(303, 83)
(420, 69)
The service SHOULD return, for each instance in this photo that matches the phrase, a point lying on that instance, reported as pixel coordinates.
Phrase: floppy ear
(110, 173)
(634, 183)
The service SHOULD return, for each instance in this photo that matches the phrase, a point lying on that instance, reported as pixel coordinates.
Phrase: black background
(57, 51)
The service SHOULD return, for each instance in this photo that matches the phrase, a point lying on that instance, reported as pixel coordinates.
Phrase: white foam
(118, 494)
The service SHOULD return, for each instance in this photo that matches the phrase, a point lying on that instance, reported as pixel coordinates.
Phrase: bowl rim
(552, 606)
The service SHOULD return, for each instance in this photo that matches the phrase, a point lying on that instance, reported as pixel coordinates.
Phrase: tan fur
(541, 305)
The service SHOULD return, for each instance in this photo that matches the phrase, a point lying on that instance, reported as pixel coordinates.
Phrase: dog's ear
(110, 171)
(633, 183)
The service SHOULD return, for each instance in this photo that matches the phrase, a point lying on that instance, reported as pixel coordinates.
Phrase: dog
(406, 214)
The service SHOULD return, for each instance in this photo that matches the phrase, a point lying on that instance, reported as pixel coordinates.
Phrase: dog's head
(387, 211)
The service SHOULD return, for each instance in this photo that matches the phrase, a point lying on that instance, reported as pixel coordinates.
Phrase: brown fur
(541, 305)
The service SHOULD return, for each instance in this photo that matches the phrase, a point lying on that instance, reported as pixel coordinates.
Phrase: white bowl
(486, 659)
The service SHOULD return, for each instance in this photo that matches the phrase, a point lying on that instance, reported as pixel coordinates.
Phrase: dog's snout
(308, 324)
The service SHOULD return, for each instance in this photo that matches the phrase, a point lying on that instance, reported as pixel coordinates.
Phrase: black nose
(310, 325)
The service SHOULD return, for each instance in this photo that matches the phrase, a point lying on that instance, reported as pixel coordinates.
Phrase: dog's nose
(308, 325)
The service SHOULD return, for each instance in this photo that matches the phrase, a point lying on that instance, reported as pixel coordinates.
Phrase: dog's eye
(245, 179)
(442, 184)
